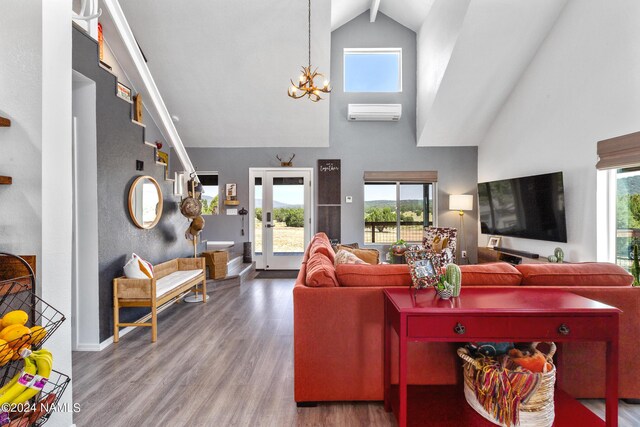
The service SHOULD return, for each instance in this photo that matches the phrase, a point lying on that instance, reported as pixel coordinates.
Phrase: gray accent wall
(120, 143)
(384, 146)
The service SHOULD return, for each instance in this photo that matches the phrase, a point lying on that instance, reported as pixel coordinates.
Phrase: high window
(210, 193)
(397, 210)
(373, 70)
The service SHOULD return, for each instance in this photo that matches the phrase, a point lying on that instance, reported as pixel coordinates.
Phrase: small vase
(445, 294)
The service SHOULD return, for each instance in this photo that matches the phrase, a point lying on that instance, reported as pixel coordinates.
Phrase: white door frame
(309, 207)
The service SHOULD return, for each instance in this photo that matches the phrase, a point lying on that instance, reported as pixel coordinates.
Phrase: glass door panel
(281, 216)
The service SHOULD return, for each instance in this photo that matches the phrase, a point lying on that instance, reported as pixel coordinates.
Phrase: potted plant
(397, 249)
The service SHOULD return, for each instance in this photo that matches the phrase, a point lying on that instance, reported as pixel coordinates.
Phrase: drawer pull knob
(564, 329)
(459, 329)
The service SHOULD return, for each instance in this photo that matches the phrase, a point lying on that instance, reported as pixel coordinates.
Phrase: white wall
(21, 144)
(35, 93)
(582, 86)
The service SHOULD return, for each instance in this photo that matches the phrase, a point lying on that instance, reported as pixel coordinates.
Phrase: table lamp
(461, 203)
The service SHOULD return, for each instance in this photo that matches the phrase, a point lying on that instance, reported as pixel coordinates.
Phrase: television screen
(531, 207)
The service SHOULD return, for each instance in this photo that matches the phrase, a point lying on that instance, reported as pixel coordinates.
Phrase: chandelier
(306, 85)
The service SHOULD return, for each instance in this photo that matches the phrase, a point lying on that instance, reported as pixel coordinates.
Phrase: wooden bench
(170, 281)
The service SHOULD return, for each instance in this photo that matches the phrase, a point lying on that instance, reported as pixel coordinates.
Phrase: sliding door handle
(268, 225)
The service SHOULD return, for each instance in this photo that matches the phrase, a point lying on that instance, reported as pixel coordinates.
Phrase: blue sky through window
(372, 72)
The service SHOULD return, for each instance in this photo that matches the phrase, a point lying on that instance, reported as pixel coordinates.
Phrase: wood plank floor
(225, 363)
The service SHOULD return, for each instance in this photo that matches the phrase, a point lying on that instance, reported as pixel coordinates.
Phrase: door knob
(564, 329)
(459, 329)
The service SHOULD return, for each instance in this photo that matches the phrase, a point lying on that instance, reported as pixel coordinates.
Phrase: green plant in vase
(398, 248)
(443, 288)
(635, 267)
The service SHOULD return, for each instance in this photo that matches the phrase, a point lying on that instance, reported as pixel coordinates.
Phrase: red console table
(493, 315)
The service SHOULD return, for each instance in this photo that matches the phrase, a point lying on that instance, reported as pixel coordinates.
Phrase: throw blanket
(501, 386)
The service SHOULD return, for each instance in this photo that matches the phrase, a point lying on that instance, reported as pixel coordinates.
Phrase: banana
(44, 363)
(17, 388)
(10, 383)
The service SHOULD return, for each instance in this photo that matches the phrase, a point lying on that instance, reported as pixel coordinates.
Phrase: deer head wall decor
(288, 163)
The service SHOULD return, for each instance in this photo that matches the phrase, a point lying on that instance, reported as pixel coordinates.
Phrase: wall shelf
(6, 180)
(4, 122)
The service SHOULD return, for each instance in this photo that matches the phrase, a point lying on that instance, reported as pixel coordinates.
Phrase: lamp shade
(461, 202)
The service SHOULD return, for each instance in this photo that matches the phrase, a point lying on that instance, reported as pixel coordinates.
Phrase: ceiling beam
(373, 11)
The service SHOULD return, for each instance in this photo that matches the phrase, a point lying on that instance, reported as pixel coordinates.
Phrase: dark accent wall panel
(120, 143)
(329, 222)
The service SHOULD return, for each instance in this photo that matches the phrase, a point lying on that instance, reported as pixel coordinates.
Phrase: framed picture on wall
(123, 92)
(230, 191)
(493, 241)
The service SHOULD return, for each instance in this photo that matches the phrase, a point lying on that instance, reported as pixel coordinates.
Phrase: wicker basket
(537, 411)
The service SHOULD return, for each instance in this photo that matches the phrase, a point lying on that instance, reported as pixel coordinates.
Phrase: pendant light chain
(309, 33)
(306, 85)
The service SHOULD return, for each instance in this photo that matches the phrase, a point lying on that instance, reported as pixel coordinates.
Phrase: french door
(280, 216)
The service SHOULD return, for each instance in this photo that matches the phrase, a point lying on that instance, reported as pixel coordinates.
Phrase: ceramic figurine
(453, 275)
(559, 253)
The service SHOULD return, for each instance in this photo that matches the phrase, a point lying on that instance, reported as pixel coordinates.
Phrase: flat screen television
(531, 207)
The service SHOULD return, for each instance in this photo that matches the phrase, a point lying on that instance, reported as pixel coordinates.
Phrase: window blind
(401, 176)
(619, 152)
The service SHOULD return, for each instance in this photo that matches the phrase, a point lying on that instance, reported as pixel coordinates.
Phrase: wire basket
(17, 295)
(37, 410)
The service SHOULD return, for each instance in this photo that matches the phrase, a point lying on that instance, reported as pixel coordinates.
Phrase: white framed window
(372, 69)
(619, 217)
(210, 193)
(397, 210)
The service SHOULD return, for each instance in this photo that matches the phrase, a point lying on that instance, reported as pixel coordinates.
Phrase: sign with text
(329, 173)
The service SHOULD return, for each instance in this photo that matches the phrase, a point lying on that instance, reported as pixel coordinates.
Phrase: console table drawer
(458, 326)
(497, 327)
(553, 328)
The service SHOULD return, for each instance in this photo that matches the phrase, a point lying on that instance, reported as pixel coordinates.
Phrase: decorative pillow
(137, 268)
(345, 257)
(320, 272)
(336, 248)
(424, 265)
(370, 256)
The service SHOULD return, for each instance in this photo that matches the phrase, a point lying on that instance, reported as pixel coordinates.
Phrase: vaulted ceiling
(223, 66)
(410, 13)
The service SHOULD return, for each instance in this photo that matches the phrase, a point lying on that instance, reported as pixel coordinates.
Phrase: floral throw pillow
(424, 265)
(346, 257)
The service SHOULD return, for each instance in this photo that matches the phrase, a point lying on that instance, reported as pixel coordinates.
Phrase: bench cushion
(173, 280)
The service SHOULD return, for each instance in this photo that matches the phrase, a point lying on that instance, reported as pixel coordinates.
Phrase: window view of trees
(627, 214)
(210, 202)
(382, 212)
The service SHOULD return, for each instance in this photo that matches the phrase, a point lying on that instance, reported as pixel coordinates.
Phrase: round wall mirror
(145, 202)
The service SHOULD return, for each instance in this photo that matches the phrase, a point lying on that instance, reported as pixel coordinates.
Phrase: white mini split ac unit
(374, 112)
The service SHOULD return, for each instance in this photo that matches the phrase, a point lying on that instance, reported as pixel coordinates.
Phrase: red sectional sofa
(338, 326)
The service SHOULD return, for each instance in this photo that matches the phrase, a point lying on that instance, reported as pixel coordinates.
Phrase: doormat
(277, 274)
